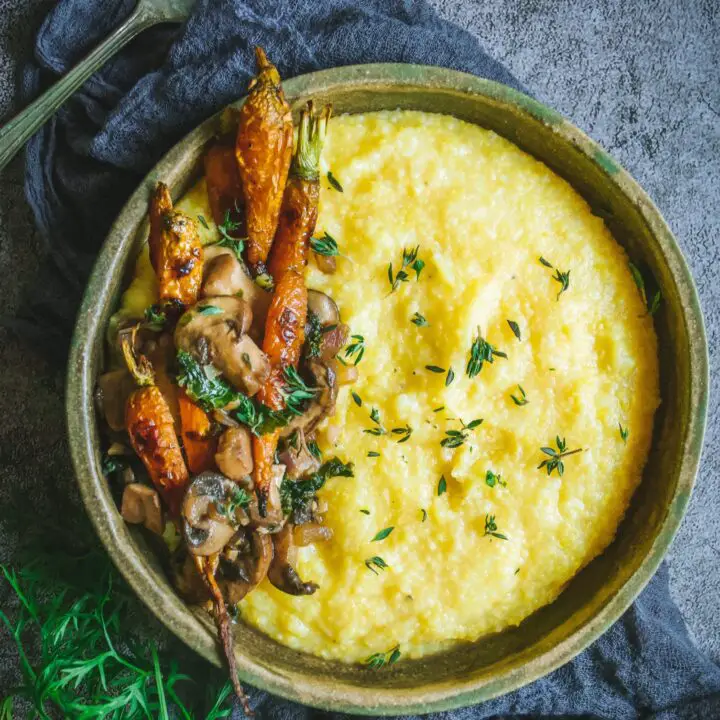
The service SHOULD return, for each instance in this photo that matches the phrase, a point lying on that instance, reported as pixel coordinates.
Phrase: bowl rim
(335, 696)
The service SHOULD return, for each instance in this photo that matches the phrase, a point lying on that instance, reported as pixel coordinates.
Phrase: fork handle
(26, 123)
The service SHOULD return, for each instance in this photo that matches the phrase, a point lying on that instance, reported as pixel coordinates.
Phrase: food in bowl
(460, 424)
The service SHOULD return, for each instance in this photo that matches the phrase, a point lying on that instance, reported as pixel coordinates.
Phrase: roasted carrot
(263, 149)
(284, 337)
(151, 429)
(207, 566)
(200, 445)
(224, 188)
(175, 250)
(299, 210)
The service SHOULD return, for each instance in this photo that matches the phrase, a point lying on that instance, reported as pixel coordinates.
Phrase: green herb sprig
(562, 277)
(410, 259)
(492, 529)
(375, 417)
(295, 495)
(378, 660)
(404, 432)
(521, 399)
(555, 460)
(376, 562)
(419, 320)
(492, 479)
(653, 305)
(334, 183)
(455, 438)
(515, 328)
(355, 350)
(380, 536)
(624, 433)
(481, 352)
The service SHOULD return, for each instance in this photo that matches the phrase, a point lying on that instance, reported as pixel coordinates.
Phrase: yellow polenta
(482, 213)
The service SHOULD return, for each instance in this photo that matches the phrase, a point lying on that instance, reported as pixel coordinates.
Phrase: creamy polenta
(481, 537)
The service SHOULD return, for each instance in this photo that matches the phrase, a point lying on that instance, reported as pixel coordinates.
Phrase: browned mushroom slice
(207, 524)
(226, 275)
(324, 307)
(141, 505)
(214, 332)
(251, 567)
(282, 573)
(234, 455)
(326, 263)
(325, 379)
(311, 533)
(297, 458)
(113, 390)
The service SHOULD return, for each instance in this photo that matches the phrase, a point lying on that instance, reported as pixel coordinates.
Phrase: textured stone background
(639, 77)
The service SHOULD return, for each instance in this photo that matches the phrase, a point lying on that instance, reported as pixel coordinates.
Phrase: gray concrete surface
(639, 77)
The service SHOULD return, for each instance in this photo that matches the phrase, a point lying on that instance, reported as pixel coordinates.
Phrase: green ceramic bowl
(597, 596)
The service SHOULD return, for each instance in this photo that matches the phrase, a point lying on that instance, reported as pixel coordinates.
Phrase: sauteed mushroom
(214, 331)
(282, 573)
(206, 527)
(141, 505)
(234, 455)
(250, 568)
(325, 378)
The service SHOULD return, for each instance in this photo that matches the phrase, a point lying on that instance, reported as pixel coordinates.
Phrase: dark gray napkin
(83, 165)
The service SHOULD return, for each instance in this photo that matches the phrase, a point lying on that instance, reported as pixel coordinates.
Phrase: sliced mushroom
(111, 394)
(187, 579)
(251, 568)
(206, 529)
(326, 263)
(333, 341)
(234, 455)
(141, 505)
(325, 378)
(297, 458)
(324, 307)
(214, 331)
(273, 518)
(226, 275)
(311, 533)
(282, 573)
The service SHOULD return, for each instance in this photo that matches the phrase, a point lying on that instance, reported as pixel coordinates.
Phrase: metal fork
(24, 125)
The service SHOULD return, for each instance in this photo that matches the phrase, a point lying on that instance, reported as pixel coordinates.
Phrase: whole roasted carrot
(263, 148)
(151, 429)
(200, 446)
(284, 337)
(175, 250)
(224, 188)
(299, 210)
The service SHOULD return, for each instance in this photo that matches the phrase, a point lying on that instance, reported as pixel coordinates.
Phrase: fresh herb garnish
(210, 392)
(406, 432)
(450, 377)
(334, 182)
(111, 464)
(438, 409)
(209, 310)
(455, 438)
(376, 562)
(203, 221)
(481, 352)
(653, 305)
(326, 245)
(314, 449)
(378, 660)
(226, 227)
(515, 328)
(419, 320)
(295, 495)
(624, 433)
(364, 511)
(491, 528)
(356, 398)
(522, 400)
(373, 454)
(382, 534)
(424, 514)
(410, 259)
(491, 479)
(155, 318)
(295, 392)
(375, 417)
(555, 462)
(562, 277)
(313, 335)
(239, 498)
(435, 369)
(356, 349)
(442, 486)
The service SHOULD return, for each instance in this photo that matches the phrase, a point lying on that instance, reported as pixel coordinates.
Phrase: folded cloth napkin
(82, 166)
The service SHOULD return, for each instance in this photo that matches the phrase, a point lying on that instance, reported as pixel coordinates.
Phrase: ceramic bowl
(597, 596)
